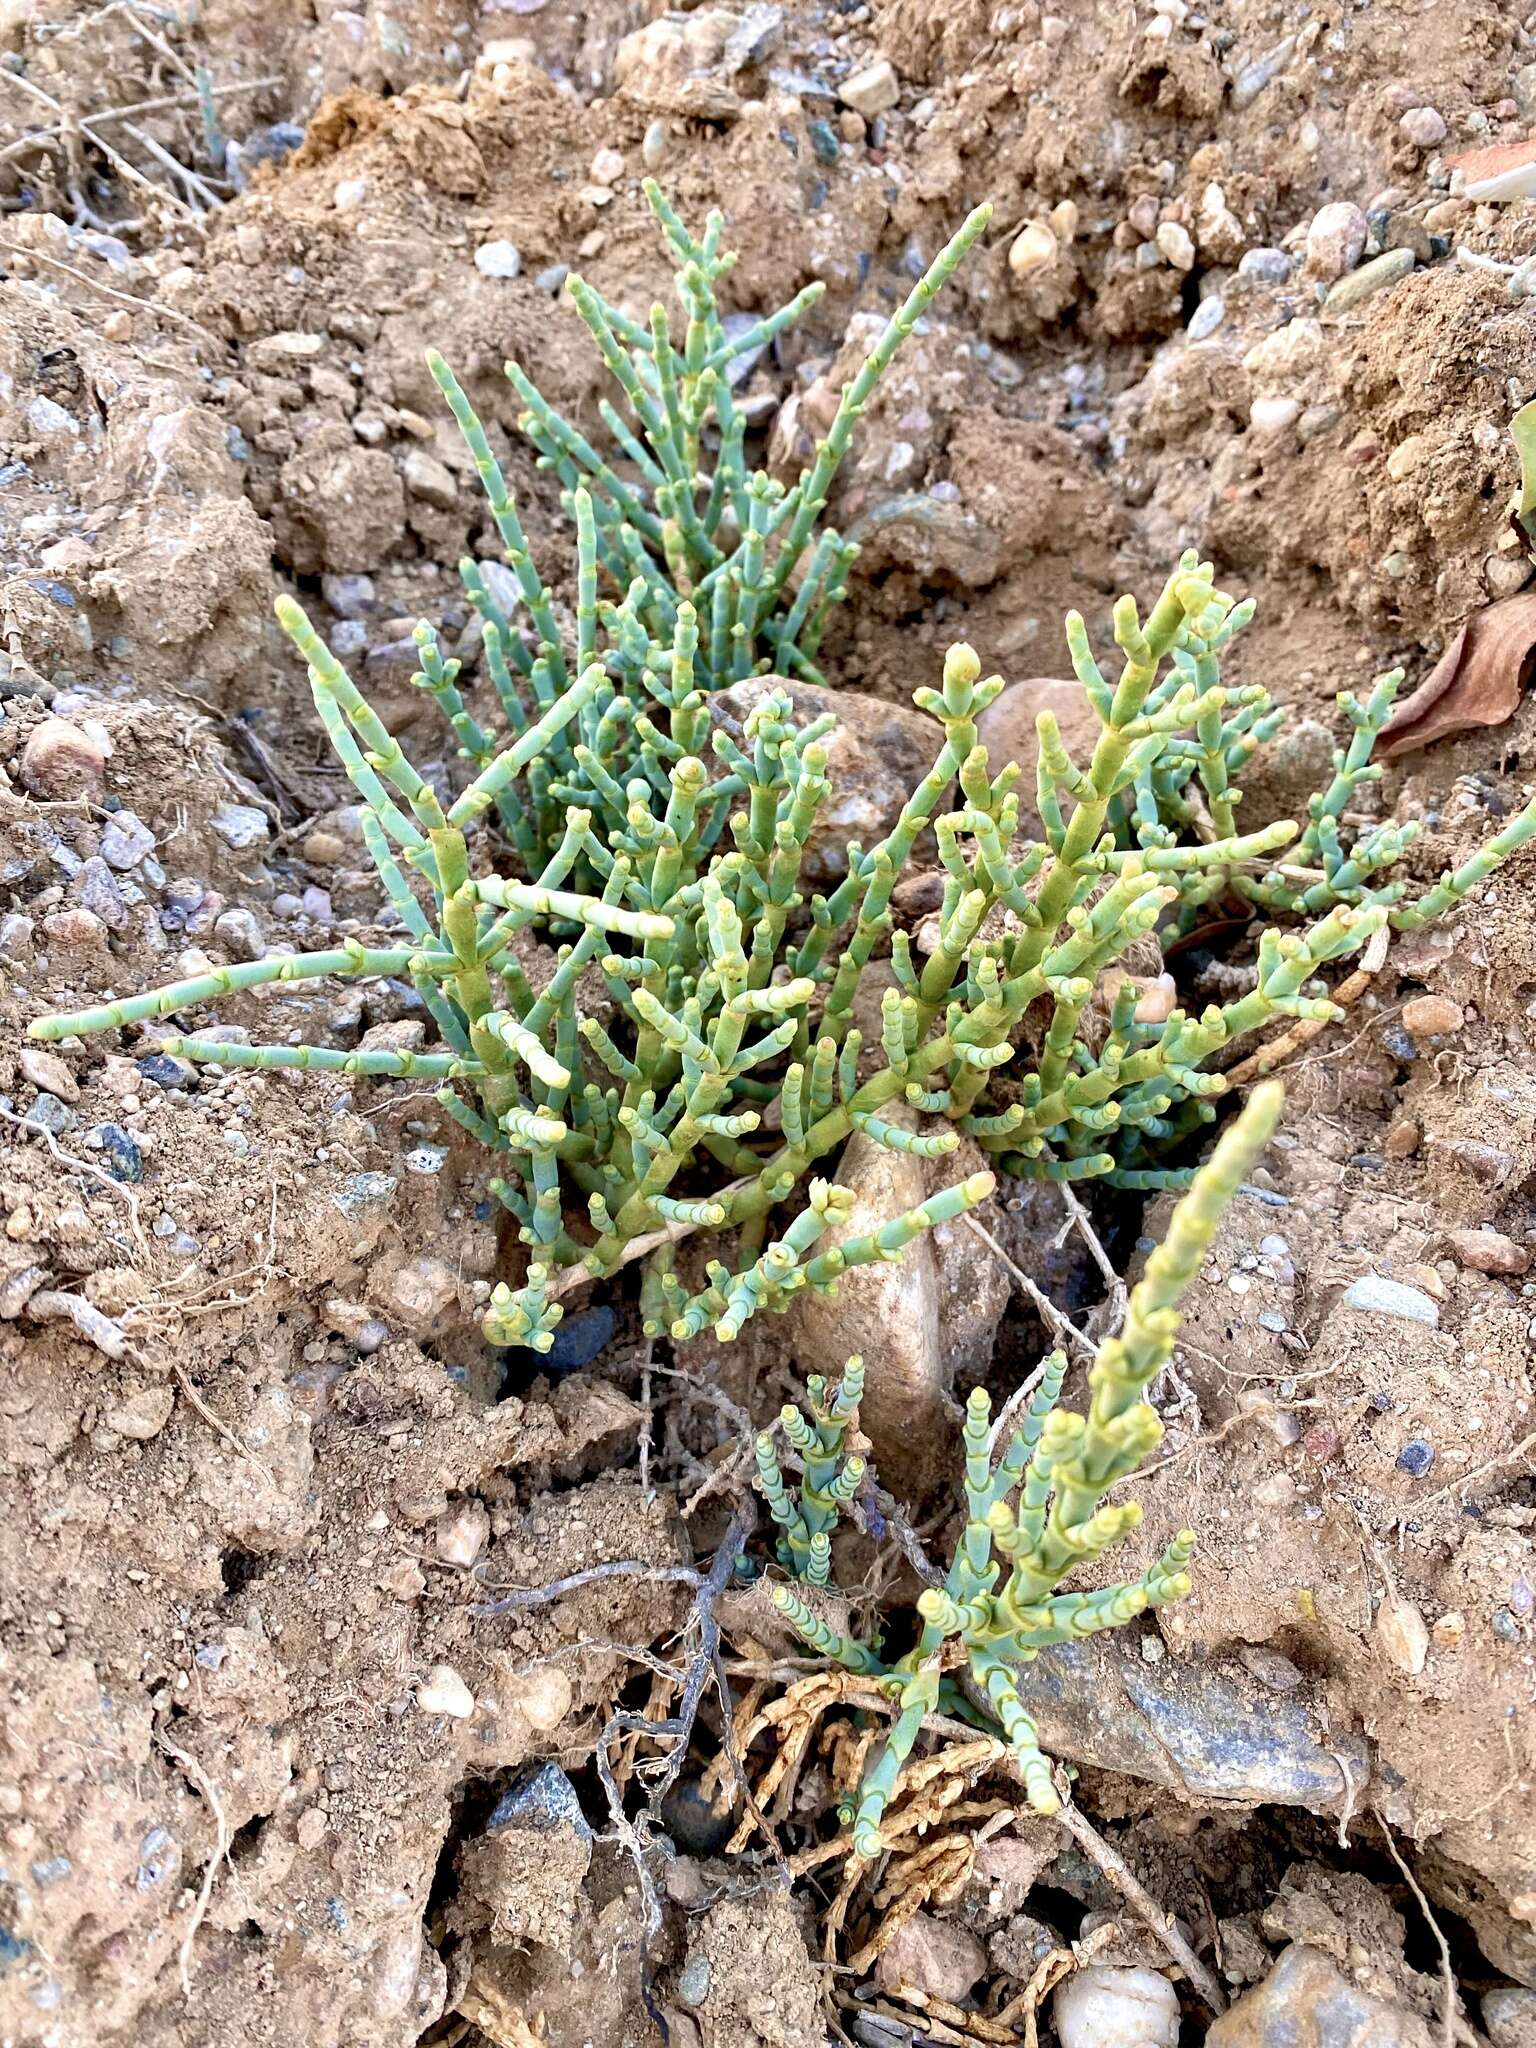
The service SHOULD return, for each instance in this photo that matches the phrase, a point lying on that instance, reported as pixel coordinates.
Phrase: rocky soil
(265, 1773)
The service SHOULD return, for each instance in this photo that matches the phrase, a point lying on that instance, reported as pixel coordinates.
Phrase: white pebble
(1336, 240)
(1375, 1296)
(442, 1691)
(498, 259)
(1101, 2007)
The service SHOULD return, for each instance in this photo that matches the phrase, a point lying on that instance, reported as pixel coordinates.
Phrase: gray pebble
(125, 840)
(1272, 265)
(550, 280)
(349, 597)
(95, 889)
(49, 1114)
(542, 1798)
(693, 1981)
(426, 1159)
(1375, 1296)
(1206, 318)
(240, 825)
(499, 259)
(240, 934)
(365, 1191)
(347, 638)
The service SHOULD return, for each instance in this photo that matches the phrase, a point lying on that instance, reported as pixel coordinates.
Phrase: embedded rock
(1307, 2002)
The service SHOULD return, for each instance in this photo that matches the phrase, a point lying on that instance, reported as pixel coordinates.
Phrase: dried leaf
(1477, 681)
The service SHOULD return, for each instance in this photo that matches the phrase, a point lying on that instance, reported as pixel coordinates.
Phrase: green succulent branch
(721, 1069)
(830, 1474)
(716, 572)
(1032, 1516)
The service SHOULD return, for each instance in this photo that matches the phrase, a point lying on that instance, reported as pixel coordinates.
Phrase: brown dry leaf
(1477, 681)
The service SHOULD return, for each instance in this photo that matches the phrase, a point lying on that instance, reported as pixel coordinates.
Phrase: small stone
(550, 280)
(1424, 127)
(544, 1798)
(693, 1981)
(95, 889)
(463, 1533)
(142, 1415)
(443, 1691)
(431, 481)
(1307, 1997)
(1416, 1457)
(1321, 1442)
(1274, 415)
(422, 1292)
(1375, 276)
(940, 1958)
(125, 840)
(1104, 2007)
(46, 1071)
(1273, 1671)
(1272, 265)
(1374, 1295)
(324, 849)
(240, 826)
(1032, 249)
(1449, 1631)
(1403, 1635)
(1505, 1626)
(580, 1338)
(607, 167)
(1509, 2014)
(166, 1071)
(74, 931)
(1432, 1016)
(653, 144)
(60, 762)
(426, 1160)
(872, 90)
(1207, 317)
(1505, 574)
(349, 597)
(365, 1191)
(543, 1696)
(1487, 1163)
(48, 1113)
(498, 259)
(1175, 245)
(240, 934)
(125, 1162)
(1488, 1251)
(1336, 240)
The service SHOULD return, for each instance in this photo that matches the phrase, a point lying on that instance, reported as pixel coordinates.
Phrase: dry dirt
(251, 1506)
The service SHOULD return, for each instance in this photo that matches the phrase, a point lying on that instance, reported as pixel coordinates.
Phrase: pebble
(348, 638)
(431, 481)
(48, 1113)
(693, 1981)
(95, 889)
(544, 1798)
(365, 1191)
(240, 825)
(125, 1162)
(499, 259)
(324, 849)
(60, 762)
(1336, 240)
(1274, 415)
(580, 1338)
(125, 840)
(1207, 317)
(1033, 248)
(824, 143)
(463, 1533)
(1374, 1295)
(239, 932)
(1272, 265)
(607, 166)
(1104, 2007)
(47, 1072)
(350, 596)
(1175, 245)
(1403, 1634)
(550, 280)
(1488, 1251)
(1273, 1671)
(872, 90)
(166, 1071)
(1375, 276)
(653, 144)
(1424, 127)
(74, 931)
(142, 1415)
(940, 1958)
(543, 1696)
(443, 1691)
(426, 1159)
(1432, 1016)
(1416, 1457)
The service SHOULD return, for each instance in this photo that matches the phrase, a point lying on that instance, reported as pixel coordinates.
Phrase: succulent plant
(1031, 1517)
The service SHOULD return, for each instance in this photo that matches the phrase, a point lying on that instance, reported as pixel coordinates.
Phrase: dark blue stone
(1416, 1457)
(123, 1157)
(580, 1338)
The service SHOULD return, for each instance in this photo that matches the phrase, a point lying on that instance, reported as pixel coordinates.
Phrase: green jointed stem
(999, 1598)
